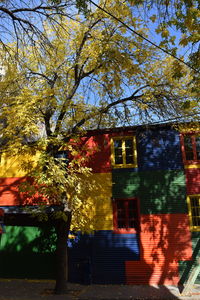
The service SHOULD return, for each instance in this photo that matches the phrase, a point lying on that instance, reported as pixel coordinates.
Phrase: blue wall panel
(100, 258)
(110, 251)
(159, 150)
(79, 258)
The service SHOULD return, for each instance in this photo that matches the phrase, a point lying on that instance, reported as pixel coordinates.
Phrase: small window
(125, 215)
(194, 211)
(124, 152)
(191, 148)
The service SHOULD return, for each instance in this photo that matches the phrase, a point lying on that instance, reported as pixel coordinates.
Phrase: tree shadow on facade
(27, 248)
(152, 255)
(159, 184)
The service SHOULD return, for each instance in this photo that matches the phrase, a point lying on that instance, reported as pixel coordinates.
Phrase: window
(191, 148)
(124, 152)
(194, 211)
(125, 216)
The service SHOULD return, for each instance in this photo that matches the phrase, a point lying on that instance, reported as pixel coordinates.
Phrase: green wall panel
(17, 238)
(158, 191)
(27, 252)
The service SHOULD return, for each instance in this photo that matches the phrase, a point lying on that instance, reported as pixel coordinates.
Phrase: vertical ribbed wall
(159, 184)
(165, 240)
(157, 253)
(153, 254)
(27, 252)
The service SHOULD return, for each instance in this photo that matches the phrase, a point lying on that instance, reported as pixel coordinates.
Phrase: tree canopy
(91, 73)
(177, 26)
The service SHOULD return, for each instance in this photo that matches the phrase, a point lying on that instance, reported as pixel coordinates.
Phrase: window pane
(127, 214)
(132, 213)
(194, 201)
(120, 204)
(188, 148)
(121, 211)
(129, 151)
(118, 152)
(195, 210)
(198, 221)
(198, 146)
(121, 223)
(129, 143)
(129, 159)
(132, 223)
(131, 204)
(121, 214)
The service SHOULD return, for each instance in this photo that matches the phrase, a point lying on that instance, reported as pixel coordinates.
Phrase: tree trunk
(62, 231)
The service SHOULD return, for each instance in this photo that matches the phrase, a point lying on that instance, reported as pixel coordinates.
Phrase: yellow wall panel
(12, 166)
(101, 198)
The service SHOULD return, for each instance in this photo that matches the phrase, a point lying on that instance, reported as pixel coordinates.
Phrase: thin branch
(108, 107)
(144, 38)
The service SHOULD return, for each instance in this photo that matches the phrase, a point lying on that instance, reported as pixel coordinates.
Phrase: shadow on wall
(10, 194)
(28, 252)
(159, 184)
(159, 149)
(165, 237)
(149, 257)
(158, 191)
(96, 150)
(164, 241)
(99, 257)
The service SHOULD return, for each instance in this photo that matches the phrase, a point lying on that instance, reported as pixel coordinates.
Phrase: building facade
(146, 210)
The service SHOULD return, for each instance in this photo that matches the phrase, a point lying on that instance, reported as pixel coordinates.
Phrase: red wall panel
(192, 181)
(96, 150)
(165, 239)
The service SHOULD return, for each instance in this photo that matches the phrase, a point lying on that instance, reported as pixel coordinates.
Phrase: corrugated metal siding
(80, 258)
(100, 258)
(97, 152)
(25, 253)
(126, 183)
(11, 165)
(159, 150)
(10, 195)
(142, 273)
(110, 251)
(165, 240)
(9, 191)
(192, 181)
(158, 191)
(99, 210)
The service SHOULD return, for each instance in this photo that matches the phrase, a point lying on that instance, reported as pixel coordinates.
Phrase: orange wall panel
(9, 191)
(10, 195)
(138, 272)
(165, 239)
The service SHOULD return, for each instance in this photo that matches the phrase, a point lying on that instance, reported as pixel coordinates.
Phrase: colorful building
(147, 211)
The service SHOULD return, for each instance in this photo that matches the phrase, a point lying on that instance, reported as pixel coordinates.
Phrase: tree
(177, 25)
(93, 74)
(22, 21)
(175, 28)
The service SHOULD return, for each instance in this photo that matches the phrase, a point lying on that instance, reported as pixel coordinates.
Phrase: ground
(13, 289)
